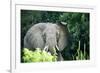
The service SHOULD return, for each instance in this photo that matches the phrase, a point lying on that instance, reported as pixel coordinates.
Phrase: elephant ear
(63, 36)
(33, 38)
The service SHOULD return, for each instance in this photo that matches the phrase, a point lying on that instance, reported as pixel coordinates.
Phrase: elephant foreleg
(60, 58)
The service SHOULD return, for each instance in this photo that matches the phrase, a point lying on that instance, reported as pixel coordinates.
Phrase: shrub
(38, 56)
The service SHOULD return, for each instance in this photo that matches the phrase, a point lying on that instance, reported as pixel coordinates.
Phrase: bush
(38, 56)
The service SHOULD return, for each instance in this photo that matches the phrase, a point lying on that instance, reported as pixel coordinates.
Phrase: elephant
(51, 35)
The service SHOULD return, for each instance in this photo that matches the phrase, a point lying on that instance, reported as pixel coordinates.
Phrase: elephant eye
(44, 36)
(57, 36)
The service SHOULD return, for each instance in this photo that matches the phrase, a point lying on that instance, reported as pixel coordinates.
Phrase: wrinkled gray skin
(42, 35)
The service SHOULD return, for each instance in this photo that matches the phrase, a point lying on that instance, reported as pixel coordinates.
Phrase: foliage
(38, 56)
(79, 55)
(78, 25)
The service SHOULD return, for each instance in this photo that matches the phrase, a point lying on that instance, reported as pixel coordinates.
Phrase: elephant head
(50, 37)
(55, 36)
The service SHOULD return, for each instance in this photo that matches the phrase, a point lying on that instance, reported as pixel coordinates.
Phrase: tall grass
(79, 55)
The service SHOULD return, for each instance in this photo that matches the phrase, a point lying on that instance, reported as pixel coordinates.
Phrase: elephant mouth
(55, 49)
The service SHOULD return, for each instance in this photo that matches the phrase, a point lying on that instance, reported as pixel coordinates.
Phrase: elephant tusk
(55, 53)
(45, 48)
(57, 48)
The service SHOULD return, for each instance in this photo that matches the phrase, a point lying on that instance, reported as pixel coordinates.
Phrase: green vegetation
(42, 56)
(79, 55)
(38, 56)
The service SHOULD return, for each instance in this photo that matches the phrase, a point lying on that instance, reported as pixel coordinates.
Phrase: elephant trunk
(51, 43)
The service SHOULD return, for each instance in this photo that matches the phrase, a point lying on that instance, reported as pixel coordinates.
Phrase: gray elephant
(49, 35)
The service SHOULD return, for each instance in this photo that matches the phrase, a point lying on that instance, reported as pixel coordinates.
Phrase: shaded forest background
(77, 23)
